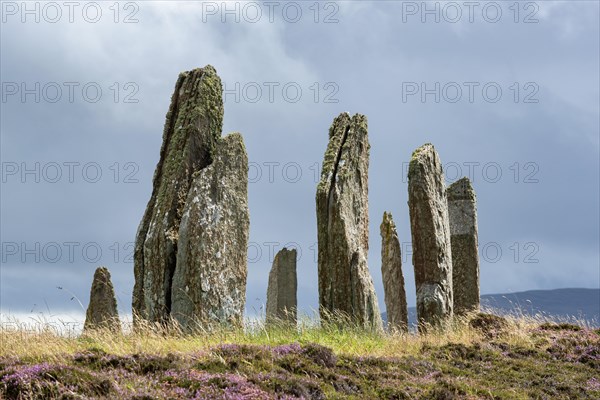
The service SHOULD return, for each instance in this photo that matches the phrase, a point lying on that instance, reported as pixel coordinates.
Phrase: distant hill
(557, 304)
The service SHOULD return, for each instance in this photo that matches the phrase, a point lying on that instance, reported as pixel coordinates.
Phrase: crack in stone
(332, 187)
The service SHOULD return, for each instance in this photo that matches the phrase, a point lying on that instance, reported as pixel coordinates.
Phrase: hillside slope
(488, 358)
(575, 305)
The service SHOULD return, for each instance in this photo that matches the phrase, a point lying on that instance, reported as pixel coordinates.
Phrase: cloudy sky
(509, 96)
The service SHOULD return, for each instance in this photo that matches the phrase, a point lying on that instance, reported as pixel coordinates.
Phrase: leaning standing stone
(102, 310)
(192, 128)
(430, 231)
(345, 284)
(281, 292)
(209, 284)
(462, 210)
(393, 279)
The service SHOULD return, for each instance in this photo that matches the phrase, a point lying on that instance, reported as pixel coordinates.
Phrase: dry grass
(48, 342)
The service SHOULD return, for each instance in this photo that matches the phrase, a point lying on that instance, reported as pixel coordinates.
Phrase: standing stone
(102, 310)
(345, 284)
(281, 292)
(462, 211)
(393, 279)
(209, 284)
(430, 231)
(192, 128)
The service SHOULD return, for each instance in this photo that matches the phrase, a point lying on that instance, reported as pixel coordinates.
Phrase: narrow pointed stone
(281, 291)
(192, 128)
(462, 210)
(345, 283)
(393, 279)
(430, 231)
(209, 284)
(102, 309)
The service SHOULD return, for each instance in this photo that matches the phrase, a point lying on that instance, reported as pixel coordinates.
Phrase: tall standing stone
(209, 284)
(192, 128)
(462, 210)
(283, 285)
(430, 231)
(345, 284)
(102, 309)
(393, 279)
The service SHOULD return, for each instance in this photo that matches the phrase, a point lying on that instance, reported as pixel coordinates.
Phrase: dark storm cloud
(543, 207)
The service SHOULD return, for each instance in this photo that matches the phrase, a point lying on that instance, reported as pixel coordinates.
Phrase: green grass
(477, 357)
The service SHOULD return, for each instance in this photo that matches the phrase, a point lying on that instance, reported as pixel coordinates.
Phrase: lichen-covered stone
(209, 284)
(430, 232)
(192, 128)
(393, 279)
(281, 291)
(102, 310)
(462, 211)
(345, 284)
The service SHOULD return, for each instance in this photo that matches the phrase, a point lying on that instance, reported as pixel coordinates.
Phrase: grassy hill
(485, 357)
(561, 305)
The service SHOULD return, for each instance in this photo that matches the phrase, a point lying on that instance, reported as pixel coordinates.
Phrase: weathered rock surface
(192, 128)
(102, 309)
(209, 283)
(281, 291)
(393, 279)
(345, 284)
(430, 231)
(462, 211)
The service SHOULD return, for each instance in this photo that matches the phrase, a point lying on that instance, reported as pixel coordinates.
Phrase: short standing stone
(393, 279)
(281, 292)
(462, 211)
(192, 129)
(209, 284)
(345, 283)
(430, 231)
(102, 309)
